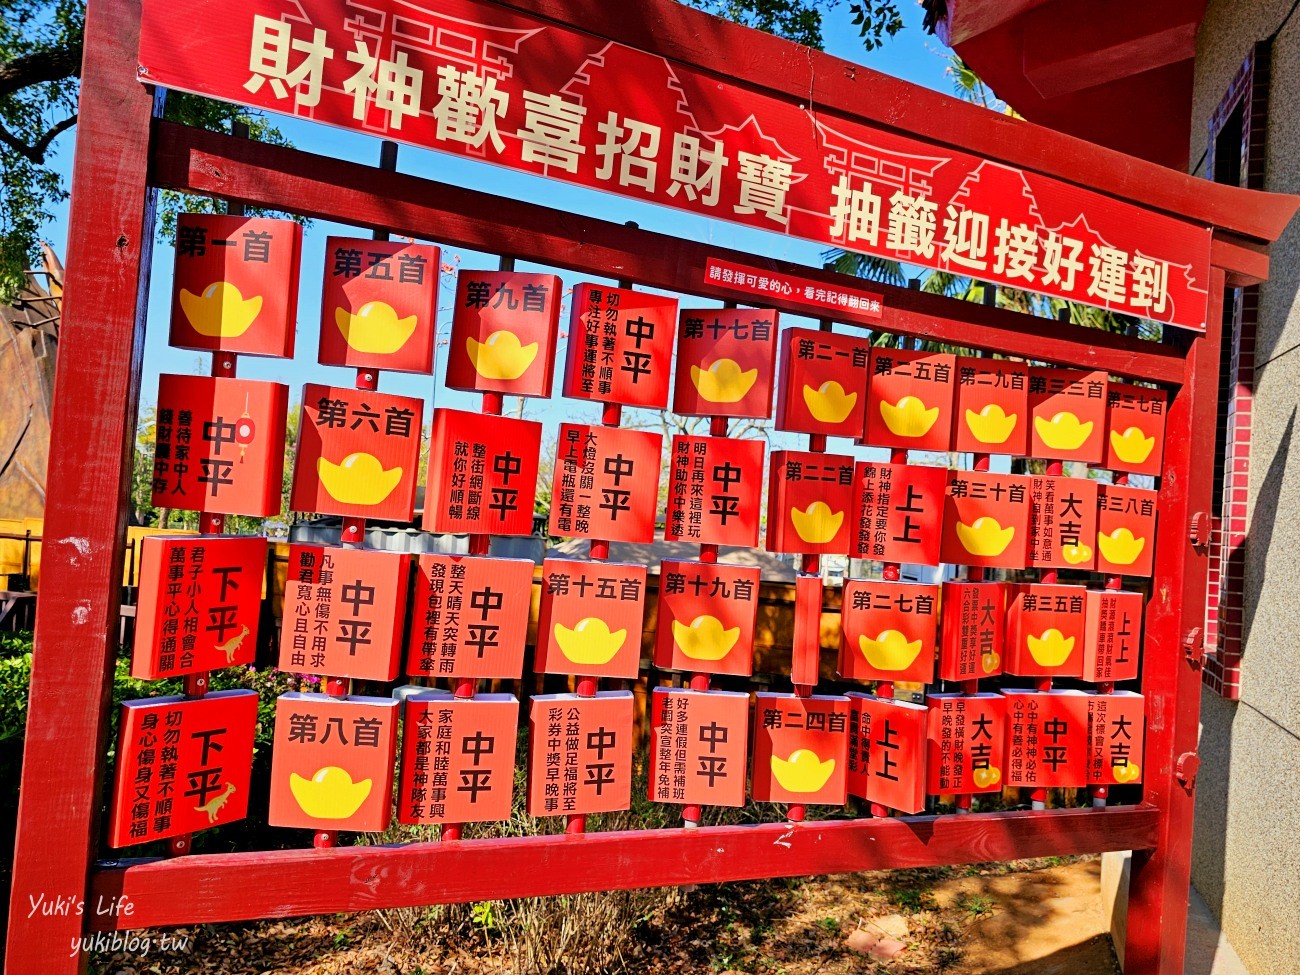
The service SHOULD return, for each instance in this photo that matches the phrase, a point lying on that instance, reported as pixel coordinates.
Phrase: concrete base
(1208, 950)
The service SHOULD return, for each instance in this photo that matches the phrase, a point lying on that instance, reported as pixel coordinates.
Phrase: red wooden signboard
(458, 758)
(965, 739)
(715, 487)
(182, 765)
(1068, 412)
(1047, 739)
(726, 362)
(898, 512)
(809, 500)
(1062, 522)
(219, 445)
(887, 745)
(748, 280)
(707, 612)
(909, 399)
(343, 610)
(551, 100)
(379, 303)
(486, 479)
(606, 483)
(698, 746)
(590, 618)
(801, 749)
(1114, 637)
(1126, 530)
(1046, 630)
(823, 376)
(1116, 737)
(974, 615)
(986, 520)
(806, 641)
(199, 603)
(620, 346)
(579, 753)
(332, 762)
(358, 453)
(503, 332)
(469, 616)
(992, 413)
(235, 287)
(889, 631)
(1135, 428)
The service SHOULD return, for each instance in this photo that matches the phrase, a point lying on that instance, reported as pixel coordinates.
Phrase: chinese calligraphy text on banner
(552, 101)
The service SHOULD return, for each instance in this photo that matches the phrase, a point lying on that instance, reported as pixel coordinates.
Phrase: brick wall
(1247, 95)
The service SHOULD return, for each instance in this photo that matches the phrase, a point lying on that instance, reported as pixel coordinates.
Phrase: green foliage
(801, 20)
(976, 904)
(40, 64)
(795, 20)
(876, 21)
(914, 899)
(15, 672)
(40, 52)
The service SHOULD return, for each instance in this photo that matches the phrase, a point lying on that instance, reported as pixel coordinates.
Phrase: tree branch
(51, 64)
(36, 153)
(43, 145)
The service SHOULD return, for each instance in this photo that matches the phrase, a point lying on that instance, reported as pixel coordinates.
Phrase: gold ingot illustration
(220, 311)
(1132, 446)
(1063, 431)
(803, 771)
(330, 793)
(375, 328)
(1051, 649)
(908, 417)
(501, 355)
(819, 524)
(723, 381)
(891, 650)
(1120, 547)
(986, 537)
(705, 638)
(590, 641)
(359, 479)
(829, 403)
(991, 425)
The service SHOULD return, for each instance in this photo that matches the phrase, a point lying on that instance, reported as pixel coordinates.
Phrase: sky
(911, 55)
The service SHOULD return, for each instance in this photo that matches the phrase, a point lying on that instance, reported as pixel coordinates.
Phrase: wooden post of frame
(93, 436)
(92, 448)
(1171, 680)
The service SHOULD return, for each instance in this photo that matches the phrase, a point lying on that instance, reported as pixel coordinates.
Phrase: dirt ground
(1039, 917)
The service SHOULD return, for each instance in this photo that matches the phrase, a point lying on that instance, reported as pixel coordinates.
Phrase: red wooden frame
(123, 153)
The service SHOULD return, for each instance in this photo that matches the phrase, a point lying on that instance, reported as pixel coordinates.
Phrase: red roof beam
(1071, 46)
